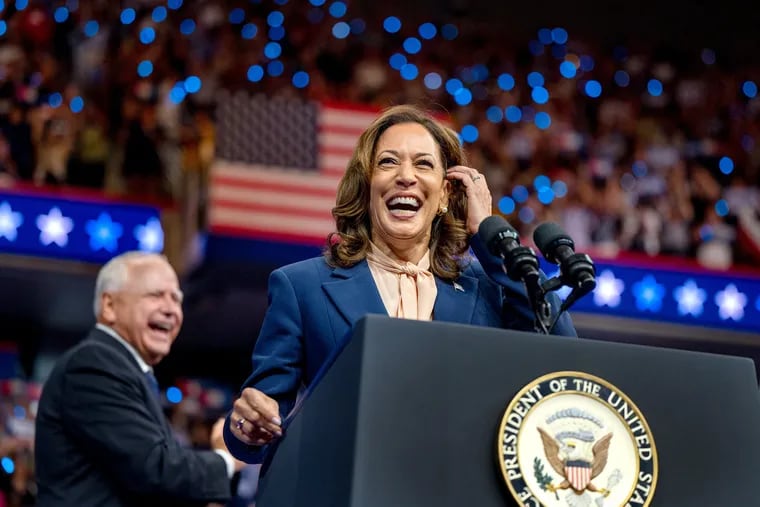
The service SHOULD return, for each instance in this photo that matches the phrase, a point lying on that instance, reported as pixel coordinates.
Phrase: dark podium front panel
(408, 415)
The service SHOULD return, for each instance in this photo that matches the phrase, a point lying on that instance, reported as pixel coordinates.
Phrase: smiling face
(407, 190)
(147, 309)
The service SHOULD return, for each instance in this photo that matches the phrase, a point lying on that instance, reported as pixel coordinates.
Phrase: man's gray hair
(113, 275)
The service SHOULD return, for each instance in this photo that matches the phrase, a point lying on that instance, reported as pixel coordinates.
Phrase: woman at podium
(407, 213)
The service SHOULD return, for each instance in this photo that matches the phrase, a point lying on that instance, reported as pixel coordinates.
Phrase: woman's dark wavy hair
(449, 238)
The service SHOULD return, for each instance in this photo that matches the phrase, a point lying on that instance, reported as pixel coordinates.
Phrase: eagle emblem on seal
(576, 454)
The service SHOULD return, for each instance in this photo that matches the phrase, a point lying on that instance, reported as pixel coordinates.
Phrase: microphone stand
(521, 264)
(542, 311)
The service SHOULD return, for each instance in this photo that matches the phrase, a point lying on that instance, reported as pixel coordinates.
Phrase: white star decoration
(608, 289)
(730, 303)
(9, 222)
(54, 228)
(150, 236)
(690, 298)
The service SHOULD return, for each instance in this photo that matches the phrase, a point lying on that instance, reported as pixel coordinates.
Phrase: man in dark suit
(101, 436)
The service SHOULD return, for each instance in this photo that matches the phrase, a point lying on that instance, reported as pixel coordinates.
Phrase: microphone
(576, 269)
(519, 262)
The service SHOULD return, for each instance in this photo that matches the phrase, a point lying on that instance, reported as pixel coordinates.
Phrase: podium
(408, 415)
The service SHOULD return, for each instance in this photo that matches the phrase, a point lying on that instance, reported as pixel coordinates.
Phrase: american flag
(277, 166)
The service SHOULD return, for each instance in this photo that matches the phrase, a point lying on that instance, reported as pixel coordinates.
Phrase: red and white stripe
(579, 476)
(287, 204)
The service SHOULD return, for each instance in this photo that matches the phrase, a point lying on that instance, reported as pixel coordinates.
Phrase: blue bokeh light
(249, 31)
(337, 9)
(587, 63)
(127, 16)
(177, 94)
(540, 95)
(237, 16)
(276, 33)
(427, 30)
(726, 165)
(55, 99)
(392, 24)
(541, 181)
(173, 395)
(193, 84)
(721, 208)
(544, 36)
(506, 205)
(526, 215)
(545, 195)
(520, 194)
(174, 4)
(187, 26)
(275, 18)
(560, 188)
(145, 68)
(433, 81)
(255, 73)
(559, 35)
(412, 45)
(91, 28)
(654, 87)
(463, 96)
(535, 79)
(506, 82)
(358, 26)
(567, 69)
(22, 4)
(272, 50)
(409, 71)
(76, 104)
(340, 30)
(301, 79)
(494, 114)
(470, 133)
(622, 79)
(147, 35)
(453, 85)
(8, 466)
(275, 68)
(750, 89)
(542, 120)
(513, 114)
(397, 60)
(593, 88)
(639, 168)
(159, 14)
(61, 14)
(449, 31)
(317, 3)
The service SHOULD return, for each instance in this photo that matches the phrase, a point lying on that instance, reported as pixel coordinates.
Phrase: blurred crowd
(192, 406)
(661, 157)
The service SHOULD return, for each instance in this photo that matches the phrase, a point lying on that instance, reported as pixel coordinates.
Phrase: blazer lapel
(456, 301)
(354, 293)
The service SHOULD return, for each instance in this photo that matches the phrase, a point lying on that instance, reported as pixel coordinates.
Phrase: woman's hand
(255, 418)
(479, 201)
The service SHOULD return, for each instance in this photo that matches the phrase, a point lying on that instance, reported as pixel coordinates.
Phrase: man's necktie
(152, 382)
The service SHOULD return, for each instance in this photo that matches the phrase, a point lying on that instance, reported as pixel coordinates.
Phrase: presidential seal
(573, 439)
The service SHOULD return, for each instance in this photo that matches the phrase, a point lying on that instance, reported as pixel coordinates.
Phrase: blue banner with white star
(683, 296)
(76, 229)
